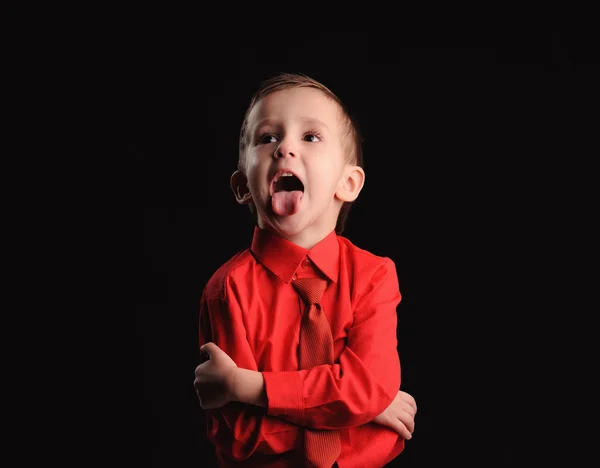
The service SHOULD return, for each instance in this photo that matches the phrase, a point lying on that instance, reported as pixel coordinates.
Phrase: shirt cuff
(284, 394)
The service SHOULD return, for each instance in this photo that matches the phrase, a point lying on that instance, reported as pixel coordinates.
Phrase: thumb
(209, 348)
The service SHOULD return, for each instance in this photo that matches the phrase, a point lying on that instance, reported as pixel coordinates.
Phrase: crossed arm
(219, 381)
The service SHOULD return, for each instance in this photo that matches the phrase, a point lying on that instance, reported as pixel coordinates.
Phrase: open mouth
(287, 191)
(287, 182)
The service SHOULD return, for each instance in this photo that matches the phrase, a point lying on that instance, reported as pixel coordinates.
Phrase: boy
(300, 329)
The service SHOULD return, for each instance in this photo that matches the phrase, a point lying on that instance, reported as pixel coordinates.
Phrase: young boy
(297, 376)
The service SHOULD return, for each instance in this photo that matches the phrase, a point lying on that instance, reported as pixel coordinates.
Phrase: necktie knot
(310, 289)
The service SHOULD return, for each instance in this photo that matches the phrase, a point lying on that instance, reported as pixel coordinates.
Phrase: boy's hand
(400, 415)
(214, 380)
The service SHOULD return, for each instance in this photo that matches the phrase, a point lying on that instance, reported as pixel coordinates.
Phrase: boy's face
(297, 175)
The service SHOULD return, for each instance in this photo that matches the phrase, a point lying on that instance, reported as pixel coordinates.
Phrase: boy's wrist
(247, 386)
(231, 384)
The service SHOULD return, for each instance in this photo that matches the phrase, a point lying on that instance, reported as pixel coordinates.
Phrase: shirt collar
(283, 257)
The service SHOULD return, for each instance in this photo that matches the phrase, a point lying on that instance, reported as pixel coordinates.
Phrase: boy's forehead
(299, 103)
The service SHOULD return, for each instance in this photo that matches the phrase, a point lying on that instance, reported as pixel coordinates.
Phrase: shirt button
(305, 263)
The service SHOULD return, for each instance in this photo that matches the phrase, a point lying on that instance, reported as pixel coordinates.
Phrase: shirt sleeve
(366, 377)
(239, 429)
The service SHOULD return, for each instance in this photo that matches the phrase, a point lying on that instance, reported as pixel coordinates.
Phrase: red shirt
(252, 312)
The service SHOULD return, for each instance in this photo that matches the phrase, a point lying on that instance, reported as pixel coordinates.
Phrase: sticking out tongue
(286, 203)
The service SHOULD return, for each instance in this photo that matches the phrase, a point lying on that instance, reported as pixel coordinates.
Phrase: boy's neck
(307, 239)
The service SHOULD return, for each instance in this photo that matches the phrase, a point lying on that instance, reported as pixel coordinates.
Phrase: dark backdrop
(452, 143)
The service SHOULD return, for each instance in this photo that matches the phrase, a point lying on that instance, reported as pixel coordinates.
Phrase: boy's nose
(282, 150)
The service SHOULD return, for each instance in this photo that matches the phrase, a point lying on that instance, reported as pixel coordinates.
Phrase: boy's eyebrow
(312, 120)
(309, 120)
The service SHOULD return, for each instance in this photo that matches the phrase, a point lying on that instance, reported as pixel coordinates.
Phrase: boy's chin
(285, 226)
(296, 229)
(289, 227)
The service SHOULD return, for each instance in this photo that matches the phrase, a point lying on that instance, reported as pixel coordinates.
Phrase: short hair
(351, 139)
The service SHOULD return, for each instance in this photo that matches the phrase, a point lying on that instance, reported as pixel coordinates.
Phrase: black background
(480, 145)
(456, 128)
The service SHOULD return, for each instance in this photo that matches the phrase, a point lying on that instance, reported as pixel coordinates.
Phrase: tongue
(286, 203)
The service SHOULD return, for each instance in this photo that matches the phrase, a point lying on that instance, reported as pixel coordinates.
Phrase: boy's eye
(265, 139)
(312, 137)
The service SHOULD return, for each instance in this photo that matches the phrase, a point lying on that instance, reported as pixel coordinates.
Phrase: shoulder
(369, 274)
(363, 260)
(235, 266)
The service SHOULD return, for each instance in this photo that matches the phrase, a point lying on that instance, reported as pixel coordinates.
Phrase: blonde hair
(351, 137)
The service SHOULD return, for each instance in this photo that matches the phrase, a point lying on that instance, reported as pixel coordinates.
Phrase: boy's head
(300, 159)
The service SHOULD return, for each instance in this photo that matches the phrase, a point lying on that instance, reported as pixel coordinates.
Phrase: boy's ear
(351, 184)
(239, 186)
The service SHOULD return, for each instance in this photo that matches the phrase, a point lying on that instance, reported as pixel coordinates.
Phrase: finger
(407, 420)
(203, 397)
(401, 404)
(408, 398)
(209, 348)
(199, 370)
(198, 382)
(203, 405)
(401, 429)
(404, 406)
(413, 403)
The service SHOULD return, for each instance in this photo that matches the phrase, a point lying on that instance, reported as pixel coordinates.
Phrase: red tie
(321, 447)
